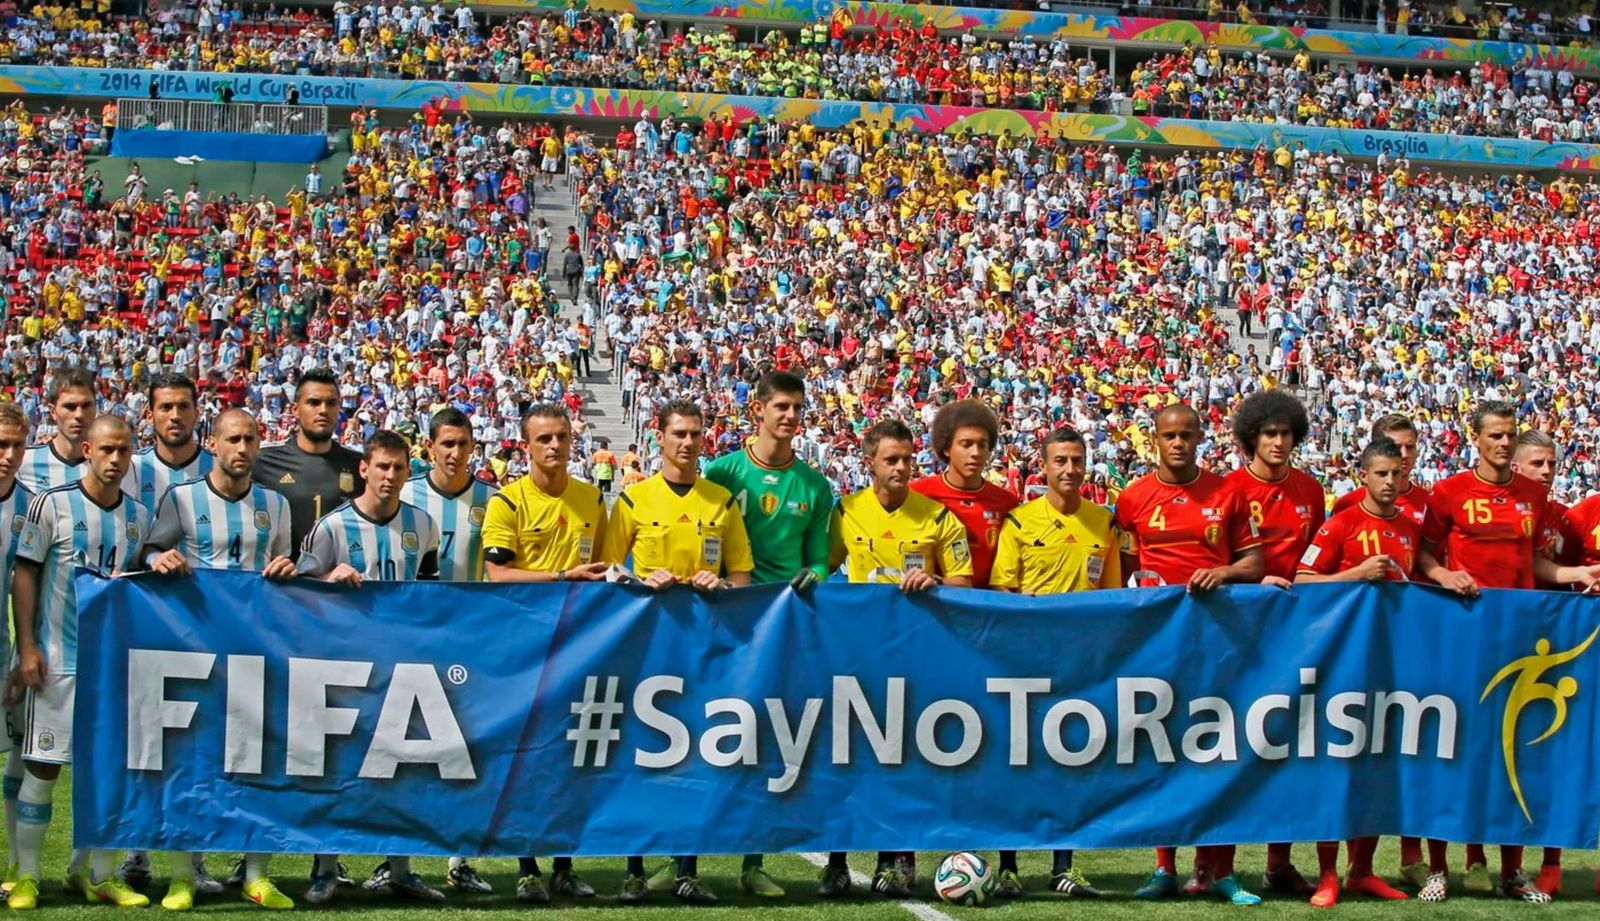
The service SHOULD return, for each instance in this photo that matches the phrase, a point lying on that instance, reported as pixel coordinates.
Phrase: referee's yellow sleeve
(500, 524)
(1007, 569)
(620, 529)
(955, 555)
(1111, 575)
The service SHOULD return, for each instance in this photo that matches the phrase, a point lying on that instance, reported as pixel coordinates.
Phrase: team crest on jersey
(347, 481)
(17, 524)
(475, 514)
(1213, 534)
(409, 542)
(46, 741)
(263, 520)
(132, 530)
(1527, 527)
(769, 503)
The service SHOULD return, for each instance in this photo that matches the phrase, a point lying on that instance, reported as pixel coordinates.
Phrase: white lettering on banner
(1074, 732)
(412, 688)
(150, 713)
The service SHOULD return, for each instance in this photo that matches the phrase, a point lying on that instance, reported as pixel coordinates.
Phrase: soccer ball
(964, 879)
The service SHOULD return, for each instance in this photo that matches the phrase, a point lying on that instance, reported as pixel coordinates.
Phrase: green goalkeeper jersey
(786, 512)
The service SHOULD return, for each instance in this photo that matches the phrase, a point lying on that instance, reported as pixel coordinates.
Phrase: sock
(33, 820)
(688, 865)
(1438, 856)
(562, 864)
(1327, 857)
(751, 862)
(1361, 851)
(1410, 850)
(1008, 861)
(1060, 862)
(1222, 860)
(635, 866)
(399, 866)
(102, 866)
(78, 861)
(12, 786)
(1552, 857)
(1277, 856)
(837, 861)
(1167, 859)
(885, 858)
(529, 866)
(456, 862)
(1510, 860)
(255, 867)
(180, 865)
(326, 864)
(1475, 854)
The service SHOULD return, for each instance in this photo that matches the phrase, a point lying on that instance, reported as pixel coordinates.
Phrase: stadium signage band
(629, 105)
(229, 713)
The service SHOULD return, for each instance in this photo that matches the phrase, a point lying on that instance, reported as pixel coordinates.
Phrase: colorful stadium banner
(231, 714)
(586, 102)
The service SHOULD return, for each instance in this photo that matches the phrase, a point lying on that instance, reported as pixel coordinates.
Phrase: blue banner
(232, 714)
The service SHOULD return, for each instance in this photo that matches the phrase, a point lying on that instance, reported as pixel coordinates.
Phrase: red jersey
(1179, 529)
(980, 510)
(1490, 531)
(1286, 512)
(1354, 535)
(1412, 501)
(1582, 523)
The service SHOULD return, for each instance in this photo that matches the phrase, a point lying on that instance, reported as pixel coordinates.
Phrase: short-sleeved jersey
(1583, 523)
(660, 529)
(401, 549)
(527, 528)
(42, 468)
(1352, 536)
(149, 477)
(213, 531)
(981, 511)
(1177, 529)
(1285, 512)
(1489, 530)
(66, 528)
(460, 519)
(785, 509)
(13, 519)
(313, 483)
(1411, 501)
(1566, 542)
(879, 545)
(1044, 552)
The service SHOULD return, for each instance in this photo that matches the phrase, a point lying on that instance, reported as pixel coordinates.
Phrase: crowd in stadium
(825, 61)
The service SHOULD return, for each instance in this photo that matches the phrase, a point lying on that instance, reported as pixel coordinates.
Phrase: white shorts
(11, 740)
(47, 736)
(549, 164)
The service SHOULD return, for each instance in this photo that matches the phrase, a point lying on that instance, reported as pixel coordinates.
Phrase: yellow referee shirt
(1043, 552)
(681, 534)
(920, 534)
(541, 532)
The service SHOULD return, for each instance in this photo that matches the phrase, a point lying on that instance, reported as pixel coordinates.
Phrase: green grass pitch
(1116, 872)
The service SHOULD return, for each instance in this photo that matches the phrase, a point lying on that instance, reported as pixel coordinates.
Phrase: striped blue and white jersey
(13, 518)
(149, 477)
(215, 532)
(42, 469)
(460, 521)
(404, 548)
(66, 528)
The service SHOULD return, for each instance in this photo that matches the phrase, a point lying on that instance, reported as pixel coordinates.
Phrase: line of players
(757, 515)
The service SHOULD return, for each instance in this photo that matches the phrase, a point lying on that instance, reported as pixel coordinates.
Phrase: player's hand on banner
(281, 569)
(917, 580)
(1589, 578)
(1373, 568)
(660, 579)
(707, 581)
(1459, 582)
(345, 574)
(1277, 582)
(170, 563)
(1204, 580)
(804, 580)
(588, 572)
(31, 670)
